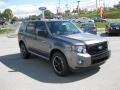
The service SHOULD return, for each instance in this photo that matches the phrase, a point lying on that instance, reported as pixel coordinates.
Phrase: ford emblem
(100, 47)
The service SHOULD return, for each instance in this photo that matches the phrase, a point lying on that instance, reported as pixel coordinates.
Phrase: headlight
(79, 48)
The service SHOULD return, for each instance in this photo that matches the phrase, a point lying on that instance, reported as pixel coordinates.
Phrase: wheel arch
(54, 51)
(20, 42)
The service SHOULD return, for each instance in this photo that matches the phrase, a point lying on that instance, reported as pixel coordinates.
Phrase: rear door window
(31, 28)
(40, 26)
(41, 29)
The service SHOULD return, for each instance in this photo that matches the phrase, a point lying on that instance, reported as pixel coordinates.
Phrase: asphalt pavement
(36, 73)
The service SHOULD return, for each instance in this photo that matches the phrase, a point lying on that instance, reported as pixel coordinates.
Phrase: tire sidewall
(25, 55)
(65, 64)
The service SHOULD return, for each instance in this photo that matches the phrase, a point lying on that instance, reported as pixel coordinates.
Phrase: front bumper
(98, 58)
(86, 60)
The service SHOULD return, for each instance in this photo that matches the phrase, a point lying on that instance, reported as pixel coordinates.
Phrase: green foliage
(48, 14)
(110, 14)
(7, 13)
(3, 31)
(15, 18)
(74, 11)
(33, 17)
(0, 14)
(113, 14)
(100, 24)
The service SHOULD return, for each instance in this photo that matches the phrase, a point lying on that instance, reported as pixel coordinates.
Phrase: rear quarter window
(30, 28)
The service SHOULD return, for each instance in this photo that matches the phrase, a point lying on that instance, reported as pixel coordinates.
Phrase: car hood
(82, 37)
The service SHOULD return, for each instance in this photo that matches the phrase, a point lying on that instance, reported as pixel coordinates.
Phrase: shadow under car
(41, 70)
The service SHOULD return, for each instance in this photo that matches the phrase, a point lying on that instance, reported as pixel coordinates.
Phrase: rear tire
(59, 64)
(24, 52)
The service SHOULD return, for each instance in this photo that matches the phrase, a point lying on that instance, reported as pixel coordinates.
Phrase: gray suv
(63, 44)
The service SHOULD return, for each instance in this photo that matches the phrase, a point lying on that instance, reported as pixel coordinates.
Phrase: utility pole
(104, 3)
(78, 8)
(96, 4)
(67, 5)
(59, 3)
(59, 8)
(97, 7)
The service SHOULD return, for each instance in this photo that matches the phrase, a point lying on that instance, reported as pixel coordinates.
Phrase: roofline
(45, 20)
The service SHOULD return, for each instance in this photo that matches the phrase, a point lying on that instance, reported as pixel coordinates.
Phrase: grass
(6, 31)
(113, 14)
(100, 24)
(109, 14)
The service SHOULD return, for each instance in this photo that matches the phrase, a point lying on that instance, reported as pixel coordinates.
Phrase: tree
(33, 17)
(15, 18)
(48, 14)
(67, 12)
(7, 13)
(74, 11)
(0, 14)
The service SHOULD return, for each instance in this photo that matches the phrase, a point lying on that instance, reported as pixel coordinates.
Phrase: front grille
(97, 48)
(99, 60)
(100, 57)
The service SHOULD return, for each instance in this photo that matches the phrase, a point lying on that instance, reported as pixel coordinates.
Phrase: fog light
(80, 62)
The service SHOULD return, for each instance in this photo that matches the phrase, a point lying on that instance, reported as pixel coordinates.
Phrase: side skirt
(46, 58)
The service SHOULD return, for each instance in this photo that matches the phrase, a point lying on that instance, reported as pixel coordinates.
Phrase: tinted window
(41, 29)
(40, 26)
(31, 28)
(23, 27)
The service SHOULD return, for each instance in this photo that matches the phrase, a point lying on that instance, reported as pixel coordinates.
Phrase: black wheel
(24, 53)
(59, 64)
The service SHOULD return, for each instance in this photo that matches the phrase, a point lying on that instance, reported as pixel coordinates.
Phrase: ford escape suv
(63, 43)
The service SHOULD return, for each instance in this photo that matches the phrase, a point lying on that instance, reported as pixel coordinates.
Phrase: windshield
(62, 28)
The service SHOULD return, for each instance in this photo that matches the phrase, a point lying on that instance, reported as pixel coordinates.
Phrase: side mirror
(42, 33)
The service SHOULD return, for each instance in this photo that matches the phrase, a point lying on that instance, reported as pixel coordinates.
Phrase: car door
(42, 44)
(30, 35)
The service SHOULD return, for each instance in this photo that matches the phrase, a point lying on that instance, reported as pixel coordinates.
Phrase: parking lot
(36, 73)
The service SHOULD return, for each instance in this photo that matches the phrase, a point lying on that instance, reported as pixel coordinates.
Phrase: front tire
(24, 53)
(59, 64)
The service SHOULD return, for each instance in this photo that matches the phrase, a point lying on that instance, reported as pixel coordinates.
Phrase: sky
(23, 8)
